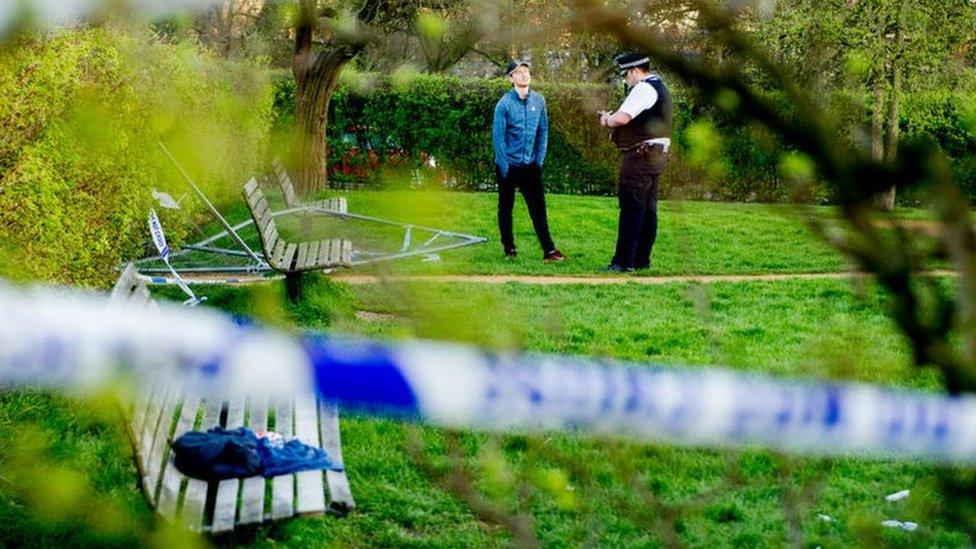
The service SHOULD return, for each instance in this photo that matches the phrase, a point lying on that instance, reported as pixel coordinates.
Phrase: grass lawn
(569, 490)
(693, 237)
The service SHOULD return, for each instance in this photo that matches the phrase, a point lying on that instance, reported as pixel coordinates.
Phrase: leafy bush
(82, 113)
(451, 119)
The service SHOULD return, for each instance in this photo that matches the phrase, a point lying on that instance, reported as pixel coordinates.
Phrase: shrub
(82, 113)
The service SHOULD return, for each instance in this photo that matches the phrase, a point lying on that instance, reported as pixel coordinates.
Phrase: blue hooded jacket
(520, 133)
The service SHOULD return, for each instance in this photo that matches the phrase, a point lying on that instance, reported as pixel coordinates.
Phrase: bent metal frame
(436, 241)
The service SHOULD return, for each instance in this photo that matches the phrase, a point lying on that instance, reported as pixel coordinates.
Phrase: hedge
(451, 119)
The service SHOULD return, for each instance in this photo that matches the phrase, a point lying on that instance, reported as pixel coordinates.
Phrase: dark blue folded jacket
(237, 453)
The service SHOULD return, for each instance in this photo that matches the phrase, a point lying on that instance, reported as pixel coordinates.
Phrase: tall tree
(327, 37)
(871, 53)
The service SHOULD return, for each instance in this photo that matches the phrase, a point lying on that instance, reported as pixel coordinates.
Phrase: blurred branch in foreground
(929, 315)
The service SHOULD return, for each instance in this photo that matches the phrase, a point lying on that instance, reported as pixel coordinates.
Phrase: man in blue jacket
(520, 135)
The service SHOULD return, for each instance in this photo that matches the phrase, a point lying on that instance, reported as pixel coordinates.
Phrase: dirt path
(607, 279)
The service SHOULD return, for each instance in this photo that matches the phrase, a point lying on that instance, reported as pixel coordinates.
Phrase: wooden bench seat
(281, 177)
(162, 413)
(290, 257)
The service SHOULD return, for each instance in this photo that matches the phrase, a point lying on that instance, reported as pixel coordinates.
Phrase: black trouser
(528, 180)
(640, 174)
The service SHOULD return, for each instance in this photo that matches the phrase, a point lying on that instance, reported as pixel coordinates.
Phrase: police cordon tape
(75, 340)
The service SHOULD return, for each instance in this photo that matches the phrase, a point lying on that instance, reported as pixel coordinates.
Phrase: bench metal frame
(431, 241)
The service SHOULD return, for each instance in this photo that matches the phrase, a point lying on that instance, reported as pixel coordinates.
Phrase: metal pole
(220, 219)
(222, 251)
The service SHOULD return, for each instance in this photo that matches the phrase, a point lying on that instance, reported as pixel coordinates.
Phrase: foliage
(883, 69)
(451, 119)
(83, 112)
(430, 114)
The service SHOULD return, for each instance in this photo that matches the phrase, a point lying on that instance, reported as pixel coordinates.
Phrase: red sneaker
(552, 256)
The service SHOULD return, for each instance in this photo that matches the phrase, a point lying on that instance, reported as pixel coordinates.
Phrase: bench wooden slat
(289, 255)
(287, 188)
(335, 251)
(311, 497)
(250, 186)
(265, 220)
(160, 442)
(337, 204)
(340, 494)
(346, 253)
(142, 411)
(279, 253)
(283, 486)
(172, 479)
(302, 255)
(327, 257)
(252, 201)
(252, 491)
(260, 207)
(195, 497)
(225, 507)
(153, 413)
(273, 243)
(270, 236)
(323, 251)
(311, 260)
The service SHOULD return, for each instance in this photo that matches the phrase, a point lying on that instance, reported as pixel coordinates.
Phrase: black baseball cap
(514, 64)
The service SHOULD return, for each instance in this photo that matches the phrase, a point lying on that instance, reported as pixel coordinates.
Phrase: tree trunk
(313, 93)
(316, 76)
(887, 199)
(891, 137)
(877, 123)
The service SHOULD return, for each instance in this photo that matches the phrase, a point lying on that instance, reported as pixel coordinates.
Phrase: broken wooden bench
(335, 205)
(163, 412)
(292, 258)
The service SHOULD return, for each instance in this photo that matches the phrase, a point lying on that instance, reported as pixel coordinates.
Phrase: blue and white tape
(71, 339)
(159, 239)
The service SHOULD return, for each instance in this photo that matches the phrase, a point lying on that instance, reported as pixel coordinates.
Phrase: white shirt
(642, 97)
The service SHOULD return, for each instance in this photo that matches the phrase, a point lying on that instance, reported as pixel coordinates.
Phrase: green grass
(576, 490)
(694, 237)
(812, 329)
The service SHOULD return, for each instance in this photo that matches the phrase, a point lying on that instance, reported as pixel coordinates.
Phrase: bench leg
(294, 283)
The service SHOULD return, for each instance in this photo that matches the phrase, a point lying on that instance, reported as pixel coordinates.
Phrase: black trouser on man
(528, 180)
(640, 174)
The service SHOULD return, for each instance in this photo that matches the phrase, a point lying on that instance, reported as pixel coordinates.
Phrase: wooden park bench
(163, 412)
(291, 258)
(336, 205)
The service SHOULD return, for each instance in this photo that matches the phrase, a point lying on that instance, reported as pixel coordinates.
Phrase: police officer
(641, 130)
(520, 136)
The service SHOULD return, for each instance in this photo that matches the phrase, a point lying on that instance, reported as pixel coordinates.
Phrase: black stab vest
(651, 123)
